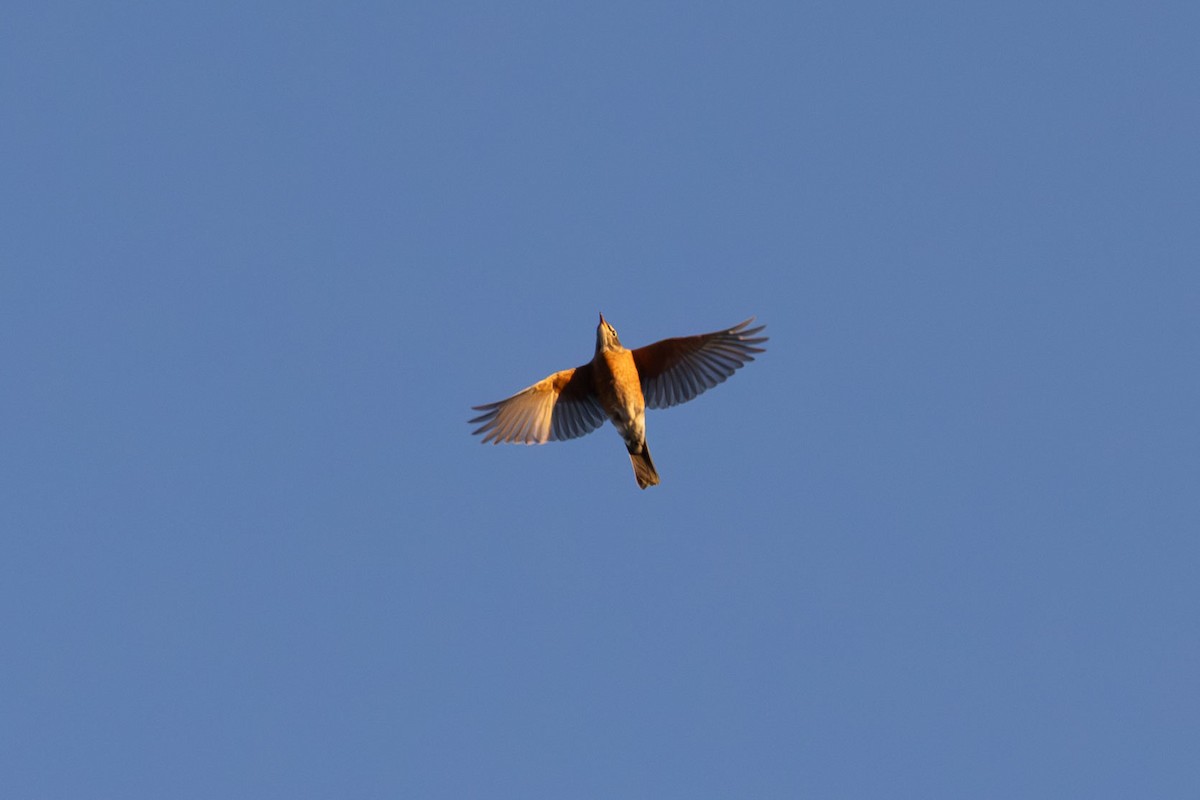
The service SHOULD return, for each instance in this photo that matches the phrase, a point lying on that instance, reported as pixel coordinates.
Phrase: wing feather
(561, 406)
(674, 371)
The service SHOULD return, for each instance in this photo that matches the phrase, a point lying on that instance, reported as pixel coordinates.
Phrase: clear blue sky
(940, 541)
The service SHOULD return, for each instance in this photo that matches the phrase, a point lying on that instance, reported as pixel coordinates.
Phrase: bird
(618, 385)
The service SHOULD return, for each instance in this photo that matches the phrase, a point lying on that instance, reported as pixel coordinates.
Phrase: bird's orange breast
(618, 385)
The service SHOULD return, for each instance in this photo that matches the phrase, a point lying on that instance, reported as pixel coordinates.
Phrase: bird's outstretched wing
(563, 406)
(674, 371)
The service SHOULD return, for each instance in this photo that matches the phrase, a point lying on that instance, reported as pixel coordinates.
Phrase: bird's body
(618, 385)
(619, 389)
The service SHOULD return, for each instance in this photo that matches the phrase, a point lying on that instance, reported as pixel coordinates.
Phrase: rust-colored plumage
(619, 385)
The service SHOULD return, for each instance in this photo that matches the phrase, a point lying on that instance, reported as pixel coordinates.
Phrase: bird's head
(606, 336)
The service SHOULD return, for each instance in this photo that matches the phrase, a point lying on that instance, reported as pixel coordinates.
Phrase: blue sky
(259, 261)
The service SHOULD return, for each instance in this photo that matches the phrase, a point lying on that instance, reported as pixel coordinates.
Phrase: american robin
(619, 385)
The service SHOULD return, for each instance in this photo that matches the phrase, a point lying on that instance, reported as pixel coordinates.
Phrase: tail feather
(643, 467)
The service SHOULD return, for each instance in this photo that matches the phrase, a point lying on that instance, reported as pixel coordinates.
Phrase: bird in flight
(619, 385)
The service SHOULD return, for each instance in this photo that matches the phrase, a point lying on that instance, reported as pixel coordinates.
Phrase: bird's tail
(643, 467)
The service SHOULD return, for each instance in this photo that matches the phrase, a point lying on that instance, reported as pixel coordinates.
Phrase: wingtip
(744, 328)
(744, 333)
